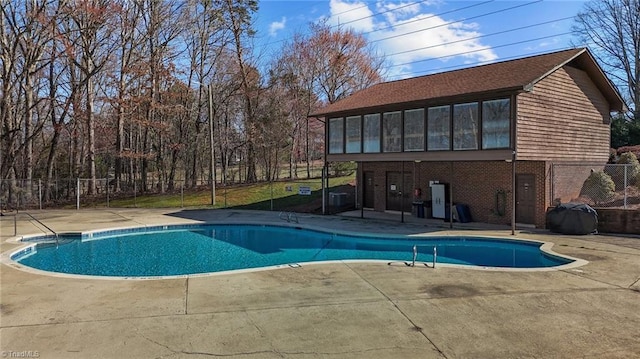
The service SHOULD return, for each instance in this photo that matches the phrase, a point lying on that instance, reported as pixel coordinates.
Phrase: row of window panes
(368, 133)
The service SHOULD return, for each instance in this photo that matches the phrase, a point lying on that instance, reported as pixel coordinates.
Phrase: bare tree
(23, 35)
(162, 24)
(613, 27)
(275, 128)
(324, 66)
(60, 96)
(206, 39)
(8, 83)
(346, 62)
(33, 37)
(297, 71)
(238, 16)
(129, 41)
(90, 45)
(227, 113)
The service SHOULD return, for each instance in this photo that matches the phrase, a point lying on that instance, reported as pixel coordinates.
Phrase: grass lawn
(280, 195)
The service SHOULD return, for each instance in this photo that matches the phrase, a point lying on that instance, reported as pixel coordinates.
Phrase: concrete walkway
(337, 310)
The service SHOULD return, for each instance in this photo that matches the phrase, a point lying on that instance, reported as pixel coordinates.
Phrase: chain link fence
(82, 193)
(300, 195)
(598, 185)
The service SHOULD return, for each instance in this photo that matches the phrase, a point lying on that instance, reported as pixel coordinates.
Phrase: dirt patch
(451, 290)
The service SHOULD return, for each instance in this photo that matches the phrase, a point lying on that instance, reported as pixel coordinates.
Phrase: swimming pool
(196, 249)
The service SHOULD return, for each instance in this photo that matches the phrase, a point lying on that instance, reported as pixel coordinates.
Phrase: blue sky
(422, 37)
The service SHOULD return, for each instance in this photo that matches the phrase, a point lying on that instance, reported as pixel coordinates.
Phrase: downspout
(513, 192)
(514, 131)
(361, 187)
(324, 189)
(325, 169)
(402, 193)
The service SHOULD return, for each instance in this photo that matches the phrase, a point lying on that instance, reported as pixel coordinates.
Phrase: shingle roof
(514, 75)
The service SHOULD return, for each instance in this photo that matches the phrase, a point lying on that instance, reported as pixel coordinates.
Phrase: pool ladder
(415, 255)
(289, 217)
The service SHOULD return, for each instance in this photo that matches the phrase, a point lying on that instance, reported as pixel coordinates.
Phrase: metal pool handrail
(44, 225)
(289, 217)
(415, 255)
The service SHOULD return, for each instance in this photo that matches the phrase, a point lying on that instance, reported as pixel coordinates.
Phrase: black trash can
(418, 209)
(428, 211)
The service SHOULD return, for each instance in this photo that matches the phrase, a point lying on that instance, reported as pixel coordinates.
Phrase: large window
(495, 124)
(462, 126)
(371, 136)
(336, 135)
(414, 130)
(391, 132)
(465, 126)
(438, 128)
(353, 134)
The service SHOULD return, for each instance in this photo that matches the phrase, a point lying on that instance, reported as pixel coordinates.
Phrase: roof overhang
(475, 96)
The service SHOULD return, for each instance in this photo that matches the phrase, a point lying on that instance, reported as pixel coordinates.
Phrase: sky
(423, 37)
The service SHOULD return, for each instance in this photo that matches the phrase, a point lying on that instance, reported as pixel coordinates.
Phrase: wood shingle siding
(563, 118)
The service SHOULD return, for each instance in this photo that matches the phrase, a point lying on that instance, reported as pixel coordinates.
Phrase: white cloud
(412, 34)
(356, 15)
(432, 37)
(275, 26)
(394, 10)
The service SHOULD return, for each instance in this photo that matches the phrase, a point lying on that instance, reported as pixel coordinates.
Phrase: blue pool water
(213, 248)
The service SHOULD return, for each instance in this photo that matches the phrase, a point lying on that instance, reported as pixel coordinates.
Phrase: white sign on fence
(304, 190)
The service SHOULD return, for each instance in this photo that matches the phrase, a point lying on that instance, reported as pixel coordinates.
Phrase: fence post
(107, 182)
(625, 186)
(135, 199)
(182, 194)
(78, 194)
(40, 193)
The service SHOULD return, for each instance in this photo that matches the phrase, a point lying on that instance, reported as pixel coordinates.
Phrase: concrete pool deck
(337, 310)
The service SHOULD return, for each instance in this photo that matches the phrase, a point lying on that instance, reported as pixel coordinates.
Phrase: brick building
(486, 132)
